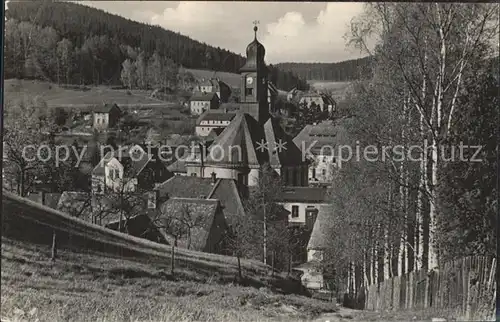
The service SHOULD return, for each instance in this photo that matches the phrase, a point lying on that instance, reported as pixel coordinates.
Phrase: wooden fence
(464, 289)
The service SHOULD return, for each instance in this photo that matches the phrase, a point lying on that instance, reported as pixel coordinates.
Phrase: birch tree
(431, 46)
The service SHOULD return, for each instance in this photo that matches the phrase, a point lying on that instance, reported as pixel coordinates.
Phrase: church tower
(254, 78)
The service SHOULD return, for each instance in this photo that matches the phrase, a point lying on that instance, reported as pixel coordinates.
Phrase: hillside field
(55, 95)
(102, 275)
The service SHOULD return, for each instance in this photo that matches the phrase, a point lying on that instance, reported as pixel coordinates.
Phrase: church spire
(255, 28)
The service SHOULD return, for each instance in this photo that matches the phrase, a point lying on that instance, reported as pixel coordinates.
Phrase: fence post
(54, 246)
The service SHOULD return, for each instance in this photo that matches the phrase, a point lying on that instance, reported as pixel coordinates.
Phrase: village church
(254, 137)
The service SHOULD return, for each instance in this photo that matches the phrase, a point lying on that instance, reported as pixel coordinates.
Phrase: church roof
(237, 144)
(289, 153)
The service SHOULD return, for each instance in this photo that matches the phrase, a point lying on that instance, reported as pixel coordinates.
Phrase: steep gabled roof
(201, 211)
(224, 190)
(105, 108)
(321, 229)
(304, 194)
(134, 159)
(51, 199)
(327, 134)
(202, 96)
(186, 187)
(289, 153)
(237, 144)
(76, 204)
(178, 166)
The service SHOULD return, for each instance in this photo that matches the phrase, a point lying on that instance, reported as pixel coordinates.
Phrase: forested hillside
(73, 43)
(339, 72)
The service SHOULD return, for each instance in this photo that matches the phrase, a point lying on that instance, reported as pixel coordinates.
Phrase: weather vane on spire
(255, 23)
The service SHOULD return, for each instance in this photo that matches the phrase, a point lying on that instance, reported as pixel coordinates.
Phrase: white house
(304, 204)
(321, 142)
(323, 101)
(213, 120)
(128, 169)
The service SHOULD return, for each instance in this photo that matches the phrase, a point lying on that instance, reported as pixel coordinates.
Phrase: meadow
(103, 275)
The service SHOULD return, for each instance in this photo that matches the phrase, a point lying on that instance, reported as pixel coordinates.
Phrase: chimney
(214, 177)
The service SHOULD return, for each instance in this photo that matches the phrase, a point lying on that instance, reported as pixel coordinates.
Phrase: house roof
(202, 96)
(201, 211)
(224, 190)
(321, 229)
(76, 204)
(133, 158)
(215, 115)
(177, 166)
(272, 88)
(304, 194)
(230, 106)
(104, 108)
(214, 133)
(211, 82)
(186, 187)
(51, 199)
(325, 134)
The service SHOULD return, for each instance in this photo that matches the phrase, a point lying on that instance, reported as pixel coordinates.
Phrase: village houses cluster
(212, 187)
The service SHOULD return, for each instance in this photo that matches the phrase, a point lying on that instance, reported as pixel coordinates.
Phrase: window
(314, 172)
(323, 172)
(295, 211)
(193, 174)
(248, 91)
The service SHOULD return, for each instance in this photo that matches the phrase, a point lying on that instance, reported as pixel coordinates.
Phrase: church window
(314, 172)
(248, 91)
(323, 172)
(295, 211)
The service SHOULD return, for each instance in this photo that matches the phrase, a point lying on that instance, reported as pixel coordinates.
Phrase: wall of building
(101, 121)
(302, 210)
(204, 128)
(312, 279)
(314, 255)
(198, 107)
(322, 169)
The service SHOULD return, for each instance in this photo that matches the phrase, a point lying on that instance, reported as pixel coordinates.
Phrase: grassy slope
(98, 270)
(55, 95)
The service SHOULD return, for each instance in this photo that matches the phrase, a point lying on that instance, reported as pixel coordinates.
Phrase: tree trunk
(172, 260)
(240, 275)
(265, 235)
(273, 262)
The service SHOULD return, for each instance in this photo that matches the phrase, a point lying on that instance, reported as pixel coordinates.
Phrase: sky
(290, 31)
